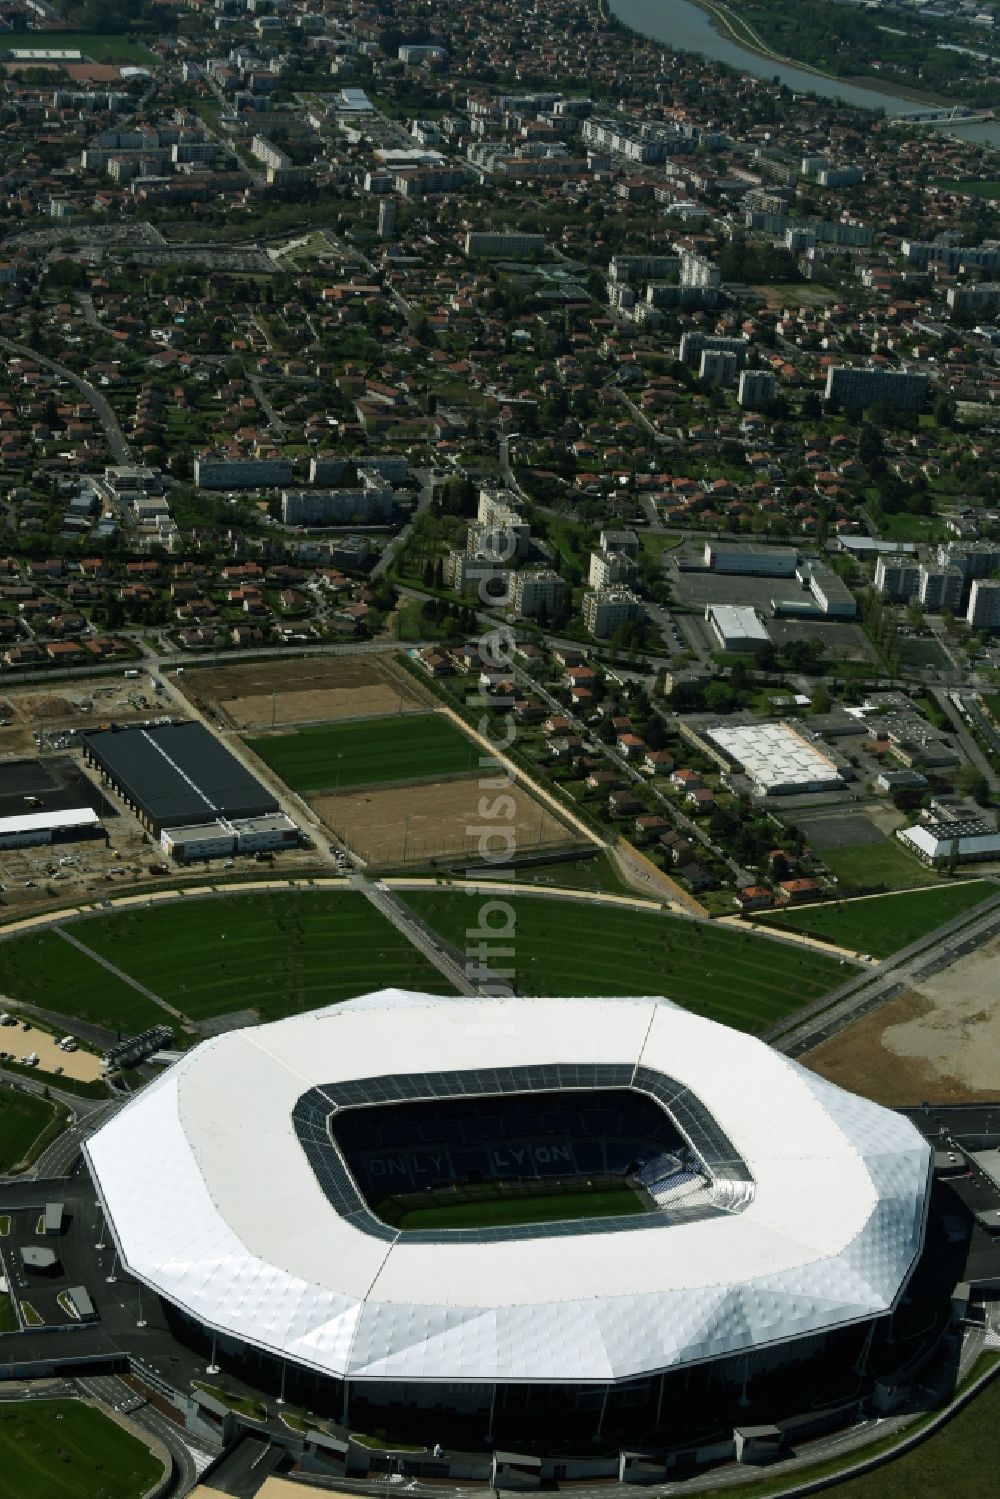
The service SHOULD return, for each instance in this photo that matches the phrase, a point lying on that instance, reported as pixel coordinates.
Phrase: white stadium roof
(214, 1203)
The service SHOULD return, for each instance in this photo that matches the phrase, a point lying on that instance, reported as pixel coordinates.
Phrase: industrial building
(737, 628)
(777, 758)
(176, 775)
(31, 828)
(750, 560)
(967, 840)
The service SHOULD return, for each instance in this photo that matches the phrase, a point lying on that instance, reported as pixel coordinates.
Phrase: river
(685, 27)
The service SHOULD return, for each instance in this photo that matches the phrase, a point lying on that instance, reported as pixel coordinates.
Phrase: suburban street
(112, 428)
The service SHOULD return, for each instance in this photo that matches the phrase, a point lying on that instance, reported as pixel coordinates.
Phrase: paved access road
(112, 429)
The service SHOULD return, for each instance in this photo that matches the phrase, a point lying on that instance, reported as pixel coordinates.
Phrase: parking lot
(36, 1292)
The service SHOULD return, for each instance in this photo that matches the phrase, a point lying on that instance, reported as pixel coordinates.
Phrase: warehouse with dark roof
(176, 775)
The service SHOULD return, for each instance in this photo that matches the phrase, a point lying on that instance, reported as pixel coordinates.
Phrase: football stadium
(541, 1220)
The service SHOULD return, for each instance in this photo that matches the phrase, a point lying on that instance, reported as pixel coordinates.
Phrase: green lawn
(44, 970)
(279, 954)
(732, 976)
(551, 1208)
(114, 49)
(366, 751)
(958, 1462)
(883, 924)
(877, 866)
(23, 1117)
(62, 1449)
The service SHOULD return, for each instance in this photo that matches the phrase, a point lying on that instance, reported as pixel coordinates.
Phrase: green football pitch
(366, 752)
(559, 947)
(63, 1449)
(553, 1207)
(882, 924)
(278, 954)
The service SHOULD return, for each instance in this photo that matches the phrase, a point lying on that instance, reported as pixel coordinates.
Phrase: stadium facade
(249, 1187)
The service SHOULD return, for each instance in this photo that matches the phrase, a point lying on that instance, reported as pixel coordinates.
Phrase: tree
(944, 409)
(719, 697)
(971, 782)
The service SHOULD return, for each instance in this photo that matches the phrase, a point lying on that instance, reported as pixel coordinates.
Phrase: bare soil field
(396, 825)
(299, 692)
(84, 704)
(941, 1041)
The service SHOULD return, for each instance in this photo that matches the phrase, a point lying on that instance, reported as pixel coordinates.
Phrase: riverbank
(698, 27)
(742, 33)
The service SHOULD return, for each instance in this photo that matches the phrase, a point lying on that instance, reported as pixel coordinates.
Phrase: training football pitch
(365, 752)
(882, 924)
(877, 866)
(509, 1209)
(63, 1449)
(276, 954)
(109, 49)
(559, 947)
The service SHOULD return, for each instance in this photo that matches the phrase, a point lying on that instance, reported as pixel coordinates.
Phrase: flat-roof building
(970, 841)
(737, 628)
(778, 758)
(222, 838)
(30, 828)
(857, 388)
(751, 560)
(176, 775)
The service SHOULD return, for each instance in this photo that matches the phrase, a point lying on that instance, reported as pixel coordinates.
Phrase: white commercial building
(28, 828)
(777, 758)
(224, 837)
(970, 841)
(226, 1192)
(737, 628)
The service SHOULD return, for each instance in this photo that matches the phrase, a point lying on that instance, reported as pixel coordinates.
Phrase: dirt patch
(299, 692)
(940, 1041)
(400, 825)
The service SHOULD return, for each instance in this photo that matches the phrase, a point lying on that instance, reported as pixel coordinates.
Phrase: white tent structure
(226, 1194)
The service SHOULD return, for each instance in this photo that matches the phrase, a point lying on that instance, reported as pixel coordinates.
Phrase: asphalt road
(112, 430)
